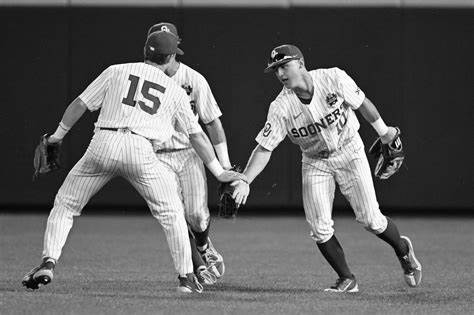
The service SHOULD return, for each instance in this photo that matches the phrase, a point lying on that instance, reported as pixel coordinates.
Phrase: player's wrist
(380, 127)
(60, 132)
(215, 167)
(223, 154)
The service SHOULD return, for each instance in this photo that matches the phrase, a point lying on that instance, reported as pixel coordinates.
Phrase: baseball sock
(334, 254)
(195, 255)
(392, 237)
(201, 238)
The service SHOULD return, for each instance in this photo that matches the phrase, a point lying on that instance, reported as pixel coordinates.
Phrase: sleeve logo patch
(267, 129)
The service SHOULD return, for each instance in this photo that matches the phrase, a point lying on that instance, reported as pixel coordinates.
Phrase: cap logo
(273, 54)
(165, 28)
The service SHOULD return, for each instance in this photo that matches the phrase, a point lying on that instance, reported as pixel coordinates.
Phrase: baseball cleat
(214, 261)
(205, 276)
(344, 285)
(410, 265)
(189, 284)
(43, 274)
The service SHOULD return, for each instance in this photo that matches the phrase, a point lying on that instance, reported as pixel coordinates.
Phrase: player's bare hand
(230, 176)
(241, 192)
(389, 135)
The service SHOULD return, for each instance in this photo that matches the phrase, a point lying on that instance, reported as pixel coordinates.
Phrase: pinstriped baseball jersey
(145, 104)
(326, 130)
(184, 161)
(140, 97)
(323, 125)
(202, 103)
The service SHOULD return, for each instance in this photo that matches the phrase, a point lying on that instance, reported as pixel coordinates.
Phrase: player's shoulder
(281, 104)
(333, 72)
(191, 72)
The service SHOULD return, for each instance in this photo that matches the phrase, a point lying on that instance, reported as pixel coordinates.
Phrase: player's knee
(375, 224)
(322, 236)
(199, 223)
(67, 204)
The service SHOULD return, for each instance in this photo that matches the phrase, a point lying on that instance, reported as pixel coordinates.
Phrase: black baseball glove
(227, 208)
(46, 157)
(389, 156)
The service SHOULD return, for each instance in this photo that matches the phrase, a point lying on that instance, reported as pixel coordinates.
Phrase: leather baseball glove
(46, 157)
(389, 156)
(227, 208)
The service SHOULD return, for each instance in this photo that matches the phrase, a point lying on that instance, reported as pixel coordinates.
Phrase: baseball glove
(227, 207)
(389, 156)
(46, 157)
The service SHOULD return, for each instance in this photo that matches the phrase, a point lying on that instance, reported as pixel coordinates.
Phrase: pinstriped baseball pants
(350, 169)
(115, 153)
(192, 181)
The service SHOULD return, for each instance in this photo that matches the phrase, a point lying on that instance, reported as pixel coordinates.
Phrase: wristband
(223, 154)
(380, 127)
(215, 167)
(61, 131)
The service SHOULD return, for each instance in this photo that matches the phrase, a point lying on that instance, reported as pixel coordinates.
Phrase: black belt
(119, 130)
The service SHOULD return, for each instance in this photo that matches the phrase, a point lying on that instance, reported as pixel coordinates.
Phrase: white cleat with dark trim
(410, 265)
(344, 285)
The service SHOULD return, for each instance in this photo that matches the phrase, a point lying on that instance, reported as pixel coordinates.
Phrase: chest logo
(331, 99)
(187, 88)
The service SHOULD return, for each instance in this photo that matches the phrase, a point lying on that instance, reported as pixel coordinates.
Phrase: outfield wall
(414, 63)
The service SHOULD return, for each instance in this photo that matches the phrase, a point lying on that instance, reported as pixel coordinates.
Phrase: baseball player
(138, 104)
(315, 109)
(180, 156)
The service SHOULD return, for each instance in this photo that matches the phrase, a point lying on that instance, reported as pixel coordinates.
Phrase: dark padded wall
(415, 64)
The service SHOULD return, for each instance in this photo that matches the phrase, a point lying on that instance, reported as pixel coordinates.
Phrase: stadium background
(414, 62)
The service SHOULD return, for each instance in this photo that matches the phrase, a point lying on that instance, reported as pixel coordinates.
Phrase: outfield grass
(121, 265)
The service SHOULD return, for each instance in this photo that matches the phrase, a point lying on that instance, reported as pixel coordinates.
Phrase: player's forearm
(71, 115)
(218, 139)
(369, 111)
(371, 114)
(203, 148)
(73, 112)
(257, 162)
(216, 131)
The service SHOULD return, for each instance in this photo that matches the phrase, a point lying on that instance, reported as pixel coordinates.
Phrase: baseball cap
(165, 27)
(281, 55)
(163, 43)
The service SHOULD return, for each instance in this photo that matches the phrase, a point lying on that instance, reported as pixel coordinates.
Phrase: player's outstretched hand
(241, 192)
(230, 176)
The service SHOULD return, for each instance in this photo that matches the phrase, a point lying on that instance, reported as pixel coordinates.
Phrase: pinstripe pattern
(203, 103)
(192, 181)
(131, 156)
(326, 131)
(178, 153)
(111, 86)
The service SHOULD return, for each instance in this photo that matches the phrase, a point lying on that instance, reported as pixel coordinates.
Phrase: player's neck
(305, 89)
(173, 68)
(161, 67)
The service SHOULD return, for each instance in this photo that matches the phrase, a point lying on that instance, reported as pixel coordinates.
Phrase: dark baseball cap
(162, 42)
(281, 55)
(165, 27)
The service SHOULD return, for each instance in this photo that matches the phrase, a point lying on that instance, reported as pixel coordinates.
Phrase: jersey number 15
(147, 85)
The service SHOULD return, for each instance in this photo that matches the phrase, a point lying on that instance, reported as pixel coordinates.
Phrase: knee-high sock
(392, 237)
(195, 255)
(334, 254)
(201, 237)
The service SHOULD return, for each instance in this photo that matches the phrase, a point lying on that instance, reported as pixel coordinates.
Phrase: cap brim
(272, 67)
(179, 51)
